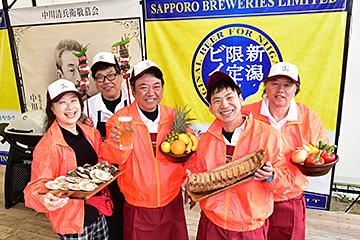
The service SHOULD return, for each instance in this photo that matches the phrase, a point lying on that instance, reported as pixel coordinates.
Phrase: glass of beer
(126, 141)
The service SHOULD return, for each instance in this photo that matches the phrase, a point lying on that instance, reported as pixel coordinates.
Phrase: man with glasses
(112, 96)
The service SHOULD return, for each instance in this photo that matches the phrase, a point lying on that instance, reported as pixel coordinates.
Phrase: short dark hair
(50, 116)
(152, 72)
(103, 65)
(219, 86)
(65, 45)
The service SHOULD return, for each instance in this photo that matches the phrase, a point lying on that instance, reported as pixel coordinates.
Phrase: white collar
(291, 116)
(237, 133)
(151, 125)
(99, 104)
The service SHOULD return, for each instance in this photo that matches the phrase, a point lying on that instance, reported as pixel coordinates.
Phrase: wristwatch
(269, 180)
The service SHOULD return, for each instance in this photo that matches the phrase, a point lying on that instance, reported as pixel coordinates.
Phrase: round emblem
(242, 51)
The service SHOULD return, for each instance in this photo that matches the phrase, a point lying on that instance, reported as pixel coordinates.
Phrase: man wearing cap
(300, 125)
(151, 184)
(112, 97)
(240, 212)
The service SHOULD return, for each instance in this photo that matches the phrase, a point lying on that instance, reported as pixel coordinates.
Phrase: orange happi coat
(148, 181)
(246, 206)
(307, 129)
(53, 157)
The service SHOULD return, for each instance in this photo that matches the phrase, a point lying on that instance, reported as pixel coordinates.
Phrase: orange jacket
(148, 181)
(246, 206)
(308, 129)
(53, 157)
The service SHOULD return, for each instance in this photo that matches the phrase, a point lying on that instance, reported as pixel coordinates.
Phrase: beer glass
(126, 141)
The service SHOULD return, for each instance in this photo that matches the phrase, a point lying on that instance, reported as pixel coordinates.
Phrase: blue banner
(317, 201)
(2, 20)
(3, 157)
(180, 10)
(244, 52)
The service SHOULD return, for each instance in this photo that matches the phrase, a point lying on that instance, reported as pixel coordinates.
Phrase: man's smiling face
(148, 92)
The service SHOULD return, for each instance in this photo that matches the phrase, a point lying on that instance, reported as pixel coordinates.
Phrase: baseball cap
(105, 57)
(285, 69)
(142, 67)
(59, 88)
(220, 76)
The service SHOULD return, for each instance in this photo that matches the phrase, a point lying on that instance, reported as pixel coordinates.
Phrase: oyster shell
(96, 180)
(87, 186)
(100, 174)
(74, 186)
(60, 179)
(72, 179)
(72, 173)
(52, 185)
(63, 186)
(83, 175)
(104, 164)
(79, 180)
(113, 169)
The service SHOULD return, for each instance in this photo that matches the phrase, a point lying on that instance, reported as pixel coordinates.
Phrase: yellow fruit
(195, 142)
(184, 137)
(312, 149)
(165, 147)
(177, 147)
(189, 146)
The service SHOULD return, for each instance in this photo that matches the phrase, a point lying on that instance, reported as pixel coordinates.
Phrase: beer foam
(124, 119)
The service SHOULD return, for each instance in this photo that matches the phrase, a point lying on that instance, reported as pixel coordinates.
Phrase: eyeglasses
(110, 77)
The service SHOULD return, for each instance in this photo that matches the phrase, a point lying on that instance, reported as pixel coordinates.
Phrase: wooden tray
(82, 195)
(197, 197)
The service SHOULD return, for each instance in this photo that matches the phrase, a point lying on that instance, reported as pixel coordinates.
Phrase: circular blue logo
(242, 51)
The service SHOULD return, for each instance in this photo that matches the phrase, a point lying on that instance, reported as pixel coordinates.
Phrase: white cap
(141, 67)
(60, 86)
(105, 57)
(284, 69)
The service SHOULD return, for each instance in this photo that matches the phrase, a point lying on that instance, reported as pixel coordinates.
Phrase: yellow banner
(191, 39)
(9, 98)
(313, 41)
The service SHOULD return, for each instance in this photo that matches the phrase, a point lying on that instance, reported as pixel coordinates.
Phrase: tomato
(314, 159)
(328, 156)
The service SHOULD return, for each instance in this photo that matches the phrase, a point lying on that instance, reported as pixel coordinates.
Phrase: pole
(16, 64)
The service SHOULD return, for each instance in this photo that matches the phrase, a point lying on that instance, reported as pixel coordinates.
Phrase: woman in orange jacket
(151, 184)
(300, 125)
(66, 145)
(240, 212)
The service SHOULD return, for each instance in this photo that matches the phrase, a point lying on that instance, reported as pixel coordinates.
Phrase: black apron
(115, 222)
(101, 125)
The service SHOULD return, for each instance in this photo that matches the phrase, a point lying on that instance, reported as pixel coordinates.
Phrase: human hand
(187, 195)
(52, 202)
(116, 134)
(265, 172)
(88, 121)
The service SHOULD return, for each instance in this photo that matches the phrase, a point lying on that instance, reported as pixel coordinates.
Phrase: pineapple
(179, 124)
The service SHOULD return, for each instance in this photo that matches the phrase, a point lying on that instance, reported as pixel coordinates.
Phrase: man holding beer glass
(151, 184)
